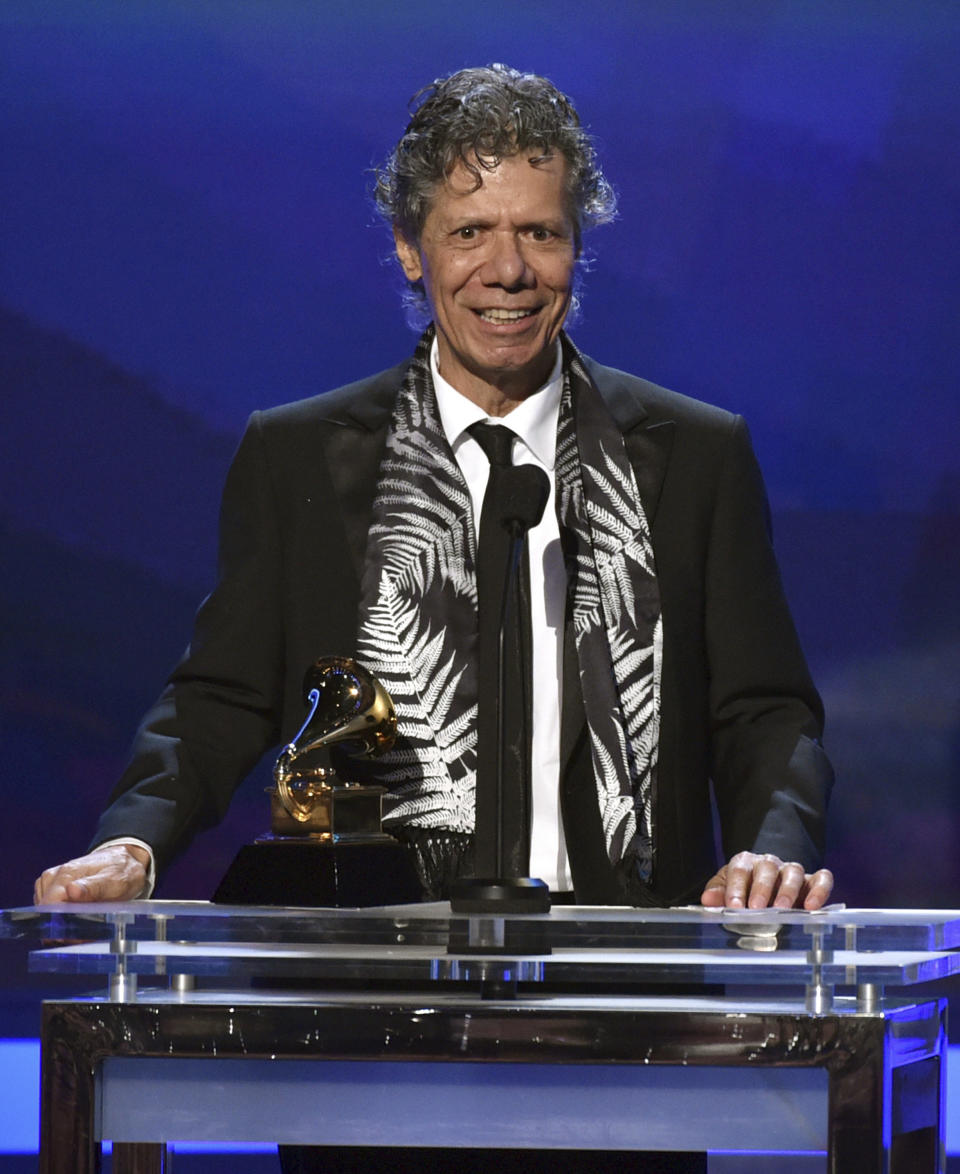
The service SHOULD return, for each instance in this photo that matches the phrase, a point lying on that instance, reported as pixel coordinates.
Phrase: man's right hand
(114, 873)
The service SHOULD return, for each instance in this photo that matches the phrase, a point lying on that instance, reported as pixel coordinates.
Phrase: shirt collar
(534, 420)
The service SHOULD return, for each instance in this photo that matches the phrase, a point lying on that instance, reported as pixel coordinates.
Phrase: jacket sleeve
(220, 709)
(771, 776)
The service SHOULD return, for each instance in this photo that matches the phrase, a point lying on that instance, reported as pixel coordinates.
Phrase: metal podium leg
(917, 1144)
(71, 1051)
(141, 1158)
(67, 1145)
(886, 1099)
(917, 1094)
(855, 1124)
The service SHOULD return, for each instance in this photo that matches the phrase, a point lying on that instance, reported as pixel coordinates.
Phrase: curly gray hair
(478, 117)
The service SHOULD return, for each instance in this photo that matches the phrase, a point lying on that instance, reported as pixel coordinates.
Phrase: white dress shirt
(534, 421)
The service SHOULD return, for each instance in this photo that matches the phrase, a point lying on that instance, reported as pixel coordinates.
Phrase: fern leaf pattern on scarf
(421, 566)
(617, 618)
(417, 629)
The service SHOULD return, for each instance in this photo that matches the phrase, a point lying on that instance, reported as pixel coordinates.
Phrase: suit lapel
(354, 437)
(648, 443)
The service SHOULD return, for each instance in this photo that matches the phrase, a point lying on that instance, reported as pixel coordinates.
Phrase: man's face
(497, 264)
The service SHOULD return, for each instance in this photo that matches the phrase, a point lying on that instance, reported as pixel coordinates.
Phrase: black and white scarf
(418, 614)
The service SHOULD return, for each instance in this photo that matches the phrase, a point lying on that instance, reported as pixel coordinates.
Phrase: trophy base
(341, 872)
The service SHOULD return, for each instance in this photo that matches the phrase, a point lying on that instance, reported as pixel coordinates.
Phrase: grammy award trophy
(326, 845)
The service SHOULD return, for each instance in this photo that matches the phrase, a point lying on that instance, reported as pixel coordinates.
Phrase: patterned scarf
(418, 625)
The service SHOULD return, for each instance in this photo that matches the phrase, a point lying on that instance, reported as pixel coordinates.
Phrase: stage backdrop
(186, 235)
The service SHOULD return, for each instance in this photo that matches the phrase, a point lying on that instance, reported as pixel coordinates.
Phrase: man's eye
(541, 234)
(467, 233)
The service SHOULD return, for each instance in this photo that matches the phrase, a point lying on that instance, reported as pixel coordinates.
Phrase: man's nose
(506, 265)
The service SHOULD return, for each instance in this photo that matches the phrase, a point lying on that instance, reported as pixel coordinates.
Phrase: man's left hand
(752, 881)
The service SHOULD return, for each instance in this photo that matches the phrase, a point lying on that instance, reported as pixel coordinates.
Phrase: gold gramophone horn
(348, 707)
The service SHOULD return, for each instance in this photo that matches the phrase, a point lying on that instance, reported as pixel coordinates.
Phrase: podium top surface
(919, 929)
(424, 944)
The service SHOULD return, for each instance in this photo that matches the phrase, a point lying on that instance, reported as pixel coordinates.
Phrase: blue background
(187, 235)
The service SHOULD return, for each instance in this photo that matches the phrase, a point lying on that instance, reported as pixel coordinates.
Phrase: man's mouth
(498, 315)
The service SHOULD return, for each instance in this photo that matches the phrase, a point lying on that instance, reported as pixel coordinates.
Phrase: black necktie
(493, 556)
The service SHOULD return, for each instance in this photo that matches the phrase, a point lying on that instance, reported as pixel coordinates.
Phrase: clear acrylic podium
(605, 1028)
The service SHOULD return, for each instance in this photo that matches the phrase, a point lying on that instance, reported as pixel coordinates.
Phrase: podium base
(518, 894)
(344, 875)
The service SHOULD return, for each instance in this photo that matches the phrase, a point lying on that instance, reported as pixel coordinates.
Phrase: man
(663, 652)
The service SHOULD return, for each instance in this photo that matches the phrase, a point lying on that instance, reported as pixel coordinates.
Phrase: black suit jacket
(738, 705)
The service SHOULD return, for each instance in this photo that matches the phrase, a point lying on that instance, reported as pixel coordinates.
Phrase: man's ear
(408, 255)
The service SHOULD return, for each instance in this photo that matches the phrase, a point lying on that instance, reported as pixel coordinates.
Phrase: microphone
(521, 498)
(521, 493)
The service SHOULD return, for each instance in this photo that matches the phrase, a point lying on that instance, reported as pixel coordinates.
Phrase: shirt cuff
(148, 888)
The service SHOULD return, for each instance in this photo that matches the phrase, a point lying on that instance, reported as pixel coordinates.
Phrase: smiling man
(497, 261)
(664, 660)
(662, 654)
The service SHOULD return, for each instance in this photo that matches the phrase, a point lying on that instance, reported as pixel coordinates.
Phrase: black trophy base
(313, 873)
(519, 894)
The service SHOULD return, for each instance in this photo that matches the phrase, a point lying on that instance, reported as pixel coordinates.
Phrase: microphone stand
(500, 894)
